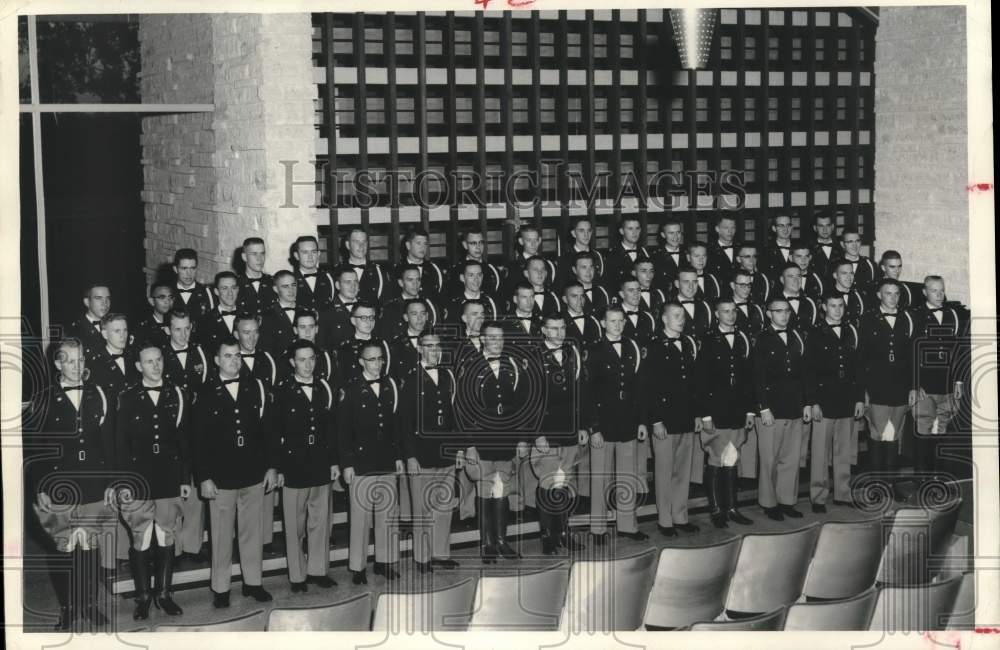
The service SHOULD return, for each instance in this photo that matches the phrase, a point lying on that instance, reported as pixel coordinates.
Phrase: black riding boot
(547, 521)
(729, 487)
(716, 498)
(500, 513)
(164, 581)
(140, 576)
(487, 544)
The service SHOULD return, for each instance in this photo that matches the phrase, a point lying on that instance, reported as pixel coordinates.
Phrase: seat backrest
(915, 607)
(353, 615)
(915, 536)
(770, 570)
(846, 559)
(963, 612)
(767, 622)
(691, 584)
(530, 601)
(847, 614)
(445, 609)
(608, 594)
(252, 622)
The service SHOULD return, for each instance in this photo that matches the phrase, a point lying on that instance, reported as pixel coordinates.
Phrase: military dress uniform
(750, 318)
(700, 318)
(276, 329)
(760, 289)
(773, 258)
(709, 287)
(778, 369)
(667, 264)
(613, 411)
(334, 322)
(823, 255)
(432, 280)
(668, 397)
(255, 295)
(652, 300)
(805, 312)
(427, 433)
(584, 328)
(315, 290)
(855, 305)
(260, 364)
(864, 272)
(405, 350)
(640, 326)
(304, 449)
(373, 282)
(231, 445)
(596, 299)
(523, 327)
(493, 278)
(88, 333)
(151, 330)
(367, 441)
(390, 323)
(812, 285)
(618, 264)
(113, 372)
(516, 269)
(197, 299)
(831, 382)
(452, 312)
(214, 326)
(721, 259)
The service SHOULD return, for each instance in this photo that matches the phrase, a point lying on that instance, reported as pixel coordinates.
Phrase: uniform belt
(82, 454)
(156, 447)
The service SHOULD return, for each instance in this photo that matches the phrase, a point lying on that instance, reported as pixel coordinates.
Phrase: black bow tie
(791, 298)
(231, 381)
(373, 381)
(414, 337)
(780, 331)
(66, 389)
(358, 267)
(304, 383)
(726, 248)
(835, 327)
(631, 312)
(742, 304)
(155, 389)
(784, 248)
(254, 280)
(618, 343)
(179, 290)
(182, 350)
(96, 323)
(227, 312)
(348, 305)
(687, 302)
(288, 309)
(539, 293)
(643, 290)
(936, 309)
(120, 355)
(492, 359)
(580, 317)
(527, 318)
(310, 275)
(672, 339)
(733, 333)
(246, 355)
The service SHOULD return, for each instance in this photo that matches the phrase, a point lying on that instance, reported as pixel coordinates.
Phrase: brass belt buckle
(440, 420)
(941, 355)
(239, 441)
(499, 409)
(621, 395)
(892, 358)
(82, 455)
(312, 439)
(156, 447)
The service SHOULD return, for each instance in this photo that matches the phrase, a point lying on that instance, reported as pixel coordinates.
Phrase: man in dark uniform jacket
(255, 361)
(363, 321)
(613, 417)
(623, 256)
(749, 315)
(276, 323)
(699, 312)
(596, 296)
(855, 304)
(529, 242)
(416, 251)
(813, 283)
(491, 405)
(371, 460)
(197, 298)
(725, 402)
(219, 322)
(373, 278)
(669, 409)
(669, 257)
(760, 290)
(306, 328)
(87, 328)
(651, 298)
(710, 288)
(474, 245)
(470, 278)
(863, 267)
(391, 323)
(838, 401)
(112, 366)
(405, 347)
(555, 452)
(256, 288)
(891, 266)
(154, 328)
(314, 286)
(640, 325)
(581, 235)
(304, 452)
(581, 326)
(778, 372)
(885, 372)
(825, 248)
(523, 319)
(777, 253)
(427, 436)
(805, 312)
(232, 421)
(152, 443)
(335, 319)
(536, 273)
(68, 463)
(938, 365)
(722, 250)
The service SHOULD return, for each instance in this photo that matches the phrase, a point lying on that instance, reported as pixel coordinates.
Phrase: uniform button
(236, 410)
(156, 437)
(155, 415)
(237, 421)
(81, 439)
(156, 426)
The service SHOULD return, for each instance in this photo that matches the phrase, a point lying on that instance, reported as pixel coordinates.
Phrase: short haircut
(887, 281)
(788, 265)
(696, 244)
(537, 258)
(472, 302)
(414, 301)
(686, 269)
(584, 255)
(368, 346)
(470, 231)
(242, 316)
(629, 217)
(111, 317)
(800, 245)
(93, 285)
(832, 295)
(835, 266)
(578, 220)
(571, 285)
(304, 313)
(522, 285)
(280, 274)
(303, 239)
(251, 241)
(407, 267)
(145, 345)
(300, 344)
(413, 233)
(552, 316)
(890, 255)
(341, 270)
(822, 214)
(674, 304)
(613, 307)
(174, 314)
(68, 344)
(362, 304)
(528, 228)
(625, 280)
(228, 341)
(185, 254)
(773, 301)
(849, 231)
(746, 246)
(932, 278)
(738, 272)
(464, 266)
(225, 275)
(159, 284)
(669, 221)
(723, 217)
(492, 324)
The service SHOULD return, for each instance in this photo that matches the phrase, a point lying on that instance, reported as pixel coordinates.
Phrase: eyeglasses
(367, 319)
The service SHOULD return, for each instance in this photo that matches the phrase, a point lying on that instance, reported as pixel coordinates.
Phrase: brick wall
(921, 156)
(212, 179)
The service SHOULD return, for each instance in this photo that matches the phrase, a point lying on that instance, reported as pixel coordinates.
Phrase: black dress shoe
(444, 563)
(637, 536)
(167, 605)
(359, 577)
(423, 567)
(774, 513)
(507, 552)
(687, 528)
(790, 511)
(818, 508)
(142, 605)
(321, 581)
(257, 592)
(385, 569)
(667, 531)
(220, 600)
(299, 588)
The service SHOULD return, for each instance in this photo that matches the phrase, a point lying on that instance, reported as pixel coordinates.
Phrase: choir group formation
(548, 378)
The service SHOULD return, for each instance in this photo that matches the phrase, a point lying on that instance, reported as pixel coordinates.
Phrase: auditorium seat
(252, 622)
(852, 614)
(691, 584)
(846, 559)
(768, 622)
(608, 594)
(527, 601)
(770, 571)
(963, 612)
(917, 539)
(915, 607)
(442, 610)
(352, 615)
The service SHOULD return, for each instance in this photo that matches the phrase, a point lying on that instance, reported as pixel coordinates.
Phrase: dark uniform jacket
(106, 373)
(190, 374)
(772, 257)
(493, 279)
(585, 329)
(373, 282)
(150, 330)
(547, 302)
(813, 285)
(335, 325)
(667, 381)
(231, 436)
(667, 264)
(750, 318)
(644, 327)
(855, 304)
(523, 327)
(652, 300)
(348, 365)
(761, 288)
(304, 441)
(709, 287)
(805, 311)
(405, 354)
(821, 259)
(615, 397)
(89, 334)
(491, 408)
(366, 435)
(390, 321)
(276, 331)
(940, 349)
(265, 366)
(426, 417)
(885, 357)
(256, 295)
(432, 279)
(907, 291)
(211, 328)
(515, 272)
(864, 273)
(71, 446)
(778, 371)
(566, 393)
(318, 298)
(596, 299)
(831, 369)
(564, 267)
(197, 300)
(724, 384)
(618, 265)
(700, 321)
(152, 441)
(719, 262)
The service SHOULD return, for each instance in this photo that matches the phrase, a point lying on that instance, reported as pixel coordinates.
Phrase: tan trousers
(306, 516)
(467, 496)
(525, 482)
(239, 511)
(490, 474)
(90, 525)
(192, 528)
(723, 446)
(140, 516)
(804, 449)
(432, 495)
(374, 501)
(269, 504)
(545, 467)
(613, 467)
(779, 462)
(748, 455)
(672, 466)
(830, 433)
(643, 452)
(933, 408)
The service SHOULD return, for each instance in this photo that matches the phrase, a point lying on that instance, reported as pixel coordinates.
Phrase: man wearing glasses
(863, 267)
(371, 459)
(749, 315)
(154, 328)
(363, 321)
(760, 288)
(778, 372)
(426, 431)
